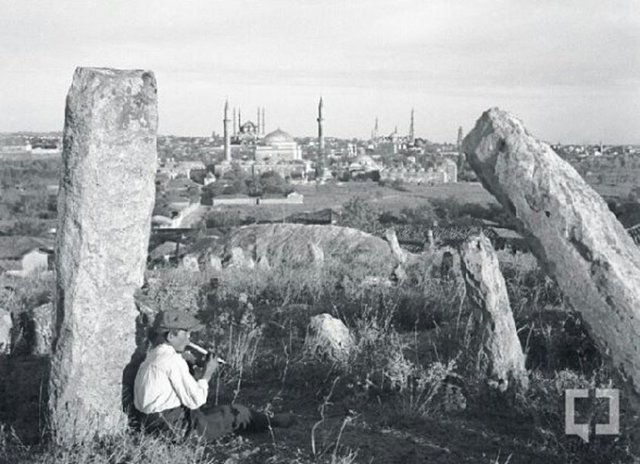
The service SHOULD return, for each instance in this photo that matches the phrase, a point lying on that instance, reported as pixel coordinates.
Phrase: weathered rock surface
(238, 259)
(570, 229)
(398, 253)
(328, 338)
(399, 274)
(499, 344)
(104, 207)
(263, 263)
(214, 263)
(190, 263)
(292, 244)
(6, 325)
(317, 255)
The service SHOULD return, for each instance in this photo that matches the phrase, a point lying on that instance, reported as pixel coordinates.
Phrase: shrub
(380, 365)
(174, 289)
(22, 294)
(360, 214)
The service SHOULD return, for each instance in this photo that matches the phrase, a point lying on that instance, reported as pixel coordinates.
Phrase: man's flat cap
(176, 320)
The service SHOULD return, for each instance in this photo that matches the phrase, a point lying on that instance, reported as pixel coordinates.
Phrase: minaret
(412, 137)
(239, 121)
(227, 137)
(258, 122)
(461, 155)
(374, 132)
(320, 133)
(262, 121)
(460, 137)
(235, 130)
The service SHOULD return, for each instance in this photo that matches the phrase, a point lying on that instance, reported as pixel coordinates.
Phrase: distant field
(387, 199)
(318, 197)
(29, 156)
(620, 191)
(333, 195)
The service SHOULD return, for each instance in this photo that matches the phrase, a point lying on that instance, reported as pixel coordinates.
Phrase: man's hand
(189, 357)
(210, 367)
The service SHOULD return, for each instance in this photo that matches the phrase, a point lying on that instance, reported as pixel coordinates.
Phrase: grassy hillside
(411, 392)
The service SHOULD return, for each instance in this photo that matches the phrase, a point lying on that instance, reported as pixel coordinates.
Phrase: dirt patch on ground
(378, 437)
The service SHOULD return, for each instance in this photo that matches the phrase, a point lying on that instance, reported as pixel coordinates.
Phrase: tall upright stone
(105, 202)
(397, 252)
(569, 228)
(502, 356)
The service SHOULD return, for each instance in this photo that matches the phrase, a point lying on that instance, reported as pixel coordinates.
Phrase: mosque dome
(367, 163)
(277, 136)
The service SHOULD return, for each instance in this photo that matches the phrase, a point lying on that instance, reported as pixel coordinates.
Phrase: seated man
(169, 397)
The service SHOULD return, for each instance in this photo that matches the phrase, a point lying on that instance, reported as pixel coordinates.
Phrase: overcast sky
(570, 69)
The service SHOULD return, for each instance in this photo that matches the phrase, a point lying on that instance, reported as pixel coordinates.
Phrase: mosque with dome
(277, 146)
(276, 151)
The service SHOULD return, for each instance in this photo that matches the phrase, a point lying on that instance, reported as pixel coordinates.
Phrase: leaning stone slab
(570, 230)
(105, 202)
(503, 360)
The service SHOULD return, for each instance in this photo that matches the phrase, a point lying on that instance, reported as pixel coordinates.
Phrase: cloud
(379, 55)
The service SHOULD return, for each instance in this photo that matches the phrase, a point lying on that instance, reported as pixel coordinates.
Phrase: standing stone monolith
(503, 360)
(391, 237)
(570, 229)
(105, 202)
(6, 326)
(317, 254)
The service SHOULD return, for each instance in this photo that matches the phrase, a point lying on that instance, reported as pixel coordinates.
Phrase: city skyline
(570, 71)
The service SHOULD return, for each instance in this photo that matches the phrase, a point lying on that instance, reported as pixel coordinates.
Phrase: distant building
(450, 168)
(173, 169)
(23, 256)
(446, 171)
(277, 146)
(275, 152)
(247, 132)
(364, 163)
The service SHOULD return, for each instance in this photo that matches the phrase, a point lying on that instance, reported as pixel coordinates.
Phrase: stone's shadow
(143, 324)
(25, 373)
(24, 385)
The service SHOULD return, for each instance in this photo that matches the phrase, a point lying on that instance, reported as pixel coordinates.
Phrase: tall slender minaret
(374, 132)
(227, 137)
(460, 137)
(239, 121)
(412, 137)
(258, 122)
(262, 120)
(320, 133)
(235, 130)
